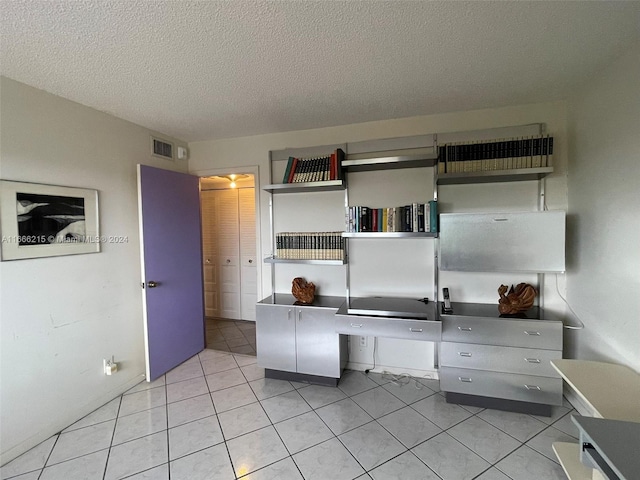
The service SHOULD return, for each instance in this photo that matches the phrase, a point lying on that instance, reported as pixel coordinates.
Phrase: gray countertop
(616, 441)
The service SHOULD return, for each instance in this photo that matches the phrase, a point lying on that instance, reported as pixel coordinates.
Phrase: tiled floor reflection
(217, 417)
(235, 336)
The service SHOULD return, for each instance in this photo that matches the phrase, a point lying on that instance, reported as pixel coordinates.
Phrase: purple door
(171, 248)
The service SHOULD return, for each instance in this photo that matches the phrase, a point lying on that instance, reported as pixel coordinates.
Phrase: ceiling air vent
(162, 149)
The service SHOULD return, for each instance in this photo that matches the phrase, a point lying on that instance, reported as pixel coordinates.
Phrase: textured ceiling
(201, 70)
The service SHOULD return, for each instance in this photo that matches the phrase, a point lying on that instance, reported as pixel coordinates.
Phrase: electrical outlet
(363, 342)
(110, 366)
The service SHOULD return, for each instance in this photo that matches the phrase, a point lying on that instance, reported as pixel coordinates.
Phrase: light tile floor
(217, 417)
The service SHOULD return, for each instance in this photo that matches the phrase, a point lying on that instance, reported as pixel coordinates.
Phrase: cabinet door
(317, 343)
(276, 337)
(503, 242)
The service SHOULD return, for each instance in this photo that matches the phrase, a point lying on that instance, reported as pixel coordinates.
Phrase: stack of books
(502, 154)
(316, 169)
(416, 217)
(310, 246)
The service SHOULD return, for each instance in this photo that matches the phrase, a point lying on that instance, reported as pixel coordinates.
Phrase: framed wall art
(46, 220)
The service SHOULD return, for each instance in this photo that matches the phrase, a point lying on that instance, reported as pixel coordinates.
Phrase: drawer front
(506, 332)
(509, 386)
(425, 330)
(526, 361)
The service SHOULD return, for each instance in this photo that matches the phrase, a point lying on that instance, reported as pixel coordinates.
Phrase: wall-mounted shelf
(389, 235)
(355, 164)
(305, 187)
(304, 261)
(489, 176)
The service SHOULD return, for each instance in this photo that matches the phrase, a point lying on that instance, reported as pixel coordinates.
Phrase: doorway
(229, 261)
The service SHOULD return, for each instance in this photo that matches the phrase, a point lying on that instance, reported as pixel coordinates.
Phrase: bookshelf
(394, 158)
(306, 187)
(490, 176)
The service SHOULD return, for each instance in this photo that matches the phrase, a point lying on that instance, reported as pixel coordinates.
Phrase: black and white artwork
(47, 220)
(44, 219)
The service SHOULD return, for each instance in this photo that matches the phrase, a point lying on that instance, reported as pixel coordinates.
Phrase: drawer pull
(464, 329)
(464, 354)
(533, 360)
(356, 325)
(532, 387)
(531, 332)
(416, 330)
(465, 379)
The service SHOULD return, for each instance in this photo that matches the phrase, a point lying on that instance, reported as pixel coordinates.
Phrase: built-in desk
(611, 394)
(403, 318)
(608, 390)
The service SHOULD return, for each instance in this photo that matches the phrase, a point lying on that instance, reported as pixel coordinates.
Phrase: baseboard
(47, 431)
(578, 403)
(430, 374)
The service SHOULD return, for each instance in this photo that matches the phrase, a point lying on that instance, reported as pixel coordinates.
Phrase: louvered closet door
(248, 272)
(228, 259)
(210, 254)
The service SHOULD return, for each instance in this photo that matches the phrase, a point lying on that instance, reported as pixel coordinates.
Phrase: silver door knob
(152, 284)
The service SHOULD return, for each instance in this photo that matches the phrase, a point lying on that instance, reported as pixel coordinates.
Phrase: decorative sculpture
(303, 291)
(517, 300)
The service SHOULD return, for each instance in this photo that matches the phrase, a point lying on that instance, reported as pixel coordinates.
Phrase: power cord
(569, 327)
(375, 347)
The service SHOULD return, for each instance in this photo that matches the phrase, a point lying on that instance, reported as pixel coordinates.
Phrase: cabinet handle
(299, 315)
(533, 360)
(289, 314)
(532, 387)
(416, 330)
(531, 332)
(465, 379)
(356, 325)
(464, 354)
(464, 329)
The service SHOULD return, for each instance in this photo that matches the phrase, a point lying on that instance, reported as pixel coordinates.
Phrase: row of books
(503, 154)
(310, 245)
(417, 217)
(317, 169)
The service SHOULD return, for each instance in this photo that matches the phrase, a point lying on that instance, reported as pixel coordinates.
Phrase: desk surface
(611, 391)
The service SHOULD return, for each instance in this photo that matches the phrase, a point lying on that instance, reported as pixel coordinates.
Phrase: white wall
(396, 355)
(61, 316)
(604, 212)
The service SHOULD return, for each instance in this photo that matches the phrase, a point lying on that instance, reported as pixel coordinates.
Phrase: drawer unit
(510, 332)
(411, 329)
(510, 386)
(500, 361)
(526, 361)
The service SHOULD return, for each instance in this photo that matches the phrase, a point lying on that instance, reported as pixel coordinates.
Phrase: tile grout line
(113, 434)
(224, 440)
(166, 405)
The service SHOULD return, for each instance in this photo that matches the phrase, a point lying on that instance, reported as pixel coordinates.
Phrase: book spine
(414, 217)
(427, 217)
(339, 159)
(294, 169)
(420, 209)
(287, 171)
(408, 227)
(364, 214)
(433, 216)
(390, 219)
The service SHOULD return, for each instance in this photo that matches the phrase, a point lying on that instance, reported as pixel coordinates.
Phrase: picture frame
(38, 220)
